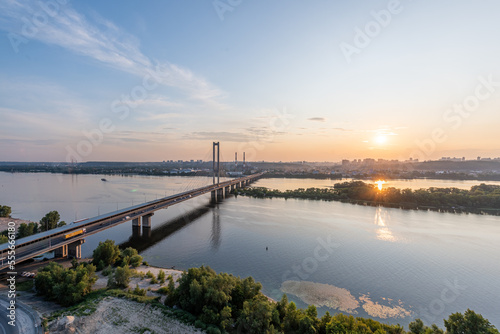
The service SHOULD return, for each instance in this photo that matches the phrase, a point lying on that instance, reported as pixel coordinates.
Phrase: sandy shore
(5, 221)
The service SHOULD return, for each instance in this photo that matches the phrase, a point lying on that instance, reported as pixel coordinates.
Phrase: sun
(381, 139)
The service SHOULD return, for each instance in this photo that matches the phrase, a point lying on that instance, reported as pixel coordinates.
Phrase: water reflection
(153, 236)
(383, 232)
(216, 229)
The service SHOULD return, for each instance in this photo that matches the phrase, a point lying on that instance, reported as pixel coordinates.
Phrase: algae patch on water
(382, 311)
(320, 294)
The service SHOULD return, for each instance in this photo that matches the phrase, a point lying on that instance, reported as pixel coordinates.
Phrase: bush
(107, 253)
(149, 274)
(213, 330)
(120, 278)
(200, 324)
(136, 260)
(161, 276)
(153, 280)
(65, 286)
(163, 290)
(139, 292)
(107, 271)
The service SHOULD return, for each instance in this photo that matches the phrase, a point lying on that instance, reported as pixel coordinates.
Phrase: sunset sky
(317, 80)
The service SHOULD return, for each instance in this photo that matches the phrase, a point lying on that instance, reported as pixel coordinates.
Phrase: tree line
(482, 198)
(48, 222)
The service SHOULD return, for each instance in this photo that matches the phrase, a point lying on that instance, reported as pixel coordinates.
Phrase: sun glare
(380, 139)
(379, 184)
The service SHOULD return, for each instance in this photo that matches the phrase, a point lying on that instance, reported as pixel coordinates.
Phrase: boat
(104, 180)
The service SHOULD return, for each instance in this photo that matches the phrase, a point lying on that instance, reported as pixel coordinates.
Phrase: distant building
(345, 162)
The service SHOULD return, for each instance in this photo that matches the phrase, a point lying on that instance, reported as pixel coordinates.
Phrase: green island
(480, 199)
(204, 300)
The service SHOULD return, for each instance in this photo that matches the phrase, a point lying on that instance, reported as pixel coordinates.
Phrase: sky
(282, 81)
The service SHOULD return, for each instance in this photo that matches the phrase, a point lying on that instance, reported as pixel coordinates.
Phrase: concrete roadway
(27, 320)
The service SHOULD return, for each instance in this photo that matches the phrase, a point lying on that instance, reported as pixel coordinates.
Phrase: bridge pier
(232, 187)
(61, 251)
(75, 249)
(213, 196)
(226, 191)
(146, 224)
(136, 222)
(220, 194)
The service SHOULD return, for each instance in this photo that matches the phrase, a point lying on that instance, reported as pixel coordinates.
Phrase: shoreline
(4, 221)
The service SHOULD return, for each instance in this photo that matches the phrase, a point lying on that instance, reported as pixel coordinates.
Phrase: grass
(25, 286)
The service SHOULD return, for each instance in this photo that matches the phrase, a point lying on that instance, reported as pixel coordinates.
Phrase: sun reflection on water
(379, 184)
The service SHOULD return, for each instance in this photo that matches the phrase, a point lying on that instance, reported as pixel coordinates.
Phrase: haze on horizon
(315, 81)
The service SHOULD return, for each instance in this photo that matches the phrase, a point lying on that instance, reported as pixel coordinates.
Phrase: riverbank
(480, 199)
(4, 222)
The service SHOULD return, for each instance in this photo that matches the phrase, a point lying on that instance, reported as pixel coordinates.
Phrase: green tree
(61, 223)
(5, 211)
(256, 316)
(120, 278)
(468, 323)
(161, 277)
(107, 253)
(417, 326)
(135, 260)
(49, 221)
(25, 230)
(3, 239)
(65, 286)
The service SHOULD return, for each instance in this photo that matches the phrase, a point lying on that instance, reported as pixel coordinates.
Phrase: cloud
(102, 41)
(250, 134)
(317, 119)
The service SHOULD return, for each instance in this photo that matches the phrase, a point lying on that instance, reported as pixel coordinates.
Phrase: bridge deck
(43, 242)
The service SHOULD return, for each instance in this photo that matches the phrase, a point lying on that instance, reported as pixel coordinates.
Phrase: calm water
(391, 261)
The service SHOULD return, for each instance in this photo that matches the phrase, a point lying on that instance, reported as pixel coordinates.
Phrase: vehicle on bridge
(75, 233)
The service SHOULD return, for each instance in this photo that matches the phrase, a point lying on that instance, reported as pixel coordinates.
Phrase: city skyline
(318, 82)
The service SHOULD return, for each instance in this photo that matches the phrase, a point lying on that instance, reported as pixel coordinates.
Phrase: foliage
(163, 290)
(136, 260)
(138, 291)
(468, 323)
(5, 211)
(25, 230)
(49, 221)
(161, 277)
(107, 253)
(479, 199)
(107, 271)
(65, 286)
(120, 277)
(3, 239)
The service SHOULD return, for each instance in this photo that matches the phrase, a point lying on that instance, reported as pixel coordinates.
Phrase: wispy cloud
(317, 119)
(104, 42)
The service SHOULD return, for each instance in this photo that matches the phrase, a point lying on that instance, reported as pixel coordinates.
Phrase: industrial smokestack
(244, 163)
(236, 158)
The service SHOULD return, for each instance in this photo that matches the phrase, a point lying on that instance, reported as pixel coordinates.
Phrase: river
(389, 264)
